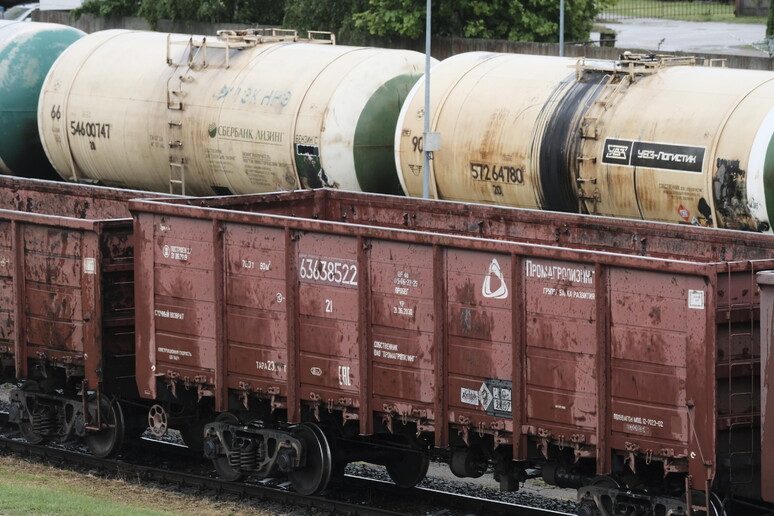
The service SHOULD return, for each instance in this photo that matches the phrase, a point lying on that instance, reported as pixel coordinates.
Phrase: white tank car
(240, 113)
(642, 137)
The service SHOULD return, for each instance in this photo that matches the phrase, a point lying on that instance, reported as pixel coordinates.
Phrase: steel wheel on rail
(313, 476)
(228, 469)
(107, 441)
(716, 506)
(408, 468)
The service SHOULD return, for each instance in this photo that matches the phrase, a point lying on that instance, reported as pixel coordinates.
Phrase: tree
(354, 20)
(770, 21)
(523, 20)
(330, 15)
(265, 12)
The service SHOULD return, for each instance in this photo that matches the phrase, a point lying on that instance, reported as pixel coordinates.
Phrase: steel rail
(277, 492)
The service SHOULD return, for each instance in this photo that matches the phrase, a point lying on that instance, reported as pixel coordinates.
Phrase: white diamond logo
(485, 395)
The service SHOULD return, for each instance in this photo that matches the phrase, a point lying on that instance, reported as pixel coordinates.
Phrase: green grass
(701, 11)
(24, 499)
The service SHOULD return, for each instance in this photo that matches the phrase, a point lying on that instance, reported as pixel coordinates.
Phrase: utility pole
(431, 141)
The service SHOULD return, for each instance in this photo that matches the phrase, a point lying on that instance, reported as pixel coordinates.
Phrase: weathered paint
(761, 171)
(27, 52)
(680, 144)
(766, 282)
(561, 140)
(607, 335)
(65, 275)
(373, 143)
(261, 118)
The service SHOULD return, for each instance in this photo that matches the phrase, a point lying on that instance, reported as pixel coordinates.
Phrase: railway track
(357, 495)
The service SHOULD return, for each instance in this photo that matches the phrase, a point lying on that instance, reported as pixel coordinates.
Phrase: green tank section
(375, 136)
(27, 52)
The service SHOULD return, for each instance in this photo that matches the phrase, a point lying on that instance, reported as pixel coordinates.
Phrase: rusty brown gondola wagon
(309, 329)
(67, 310)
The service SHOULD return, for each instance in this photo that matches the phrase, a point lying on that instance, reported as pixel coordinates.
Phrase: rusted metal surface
(488, 222)
(67, 281)
(578, 139)
(766, 282)
(542, 331)
(330, 123)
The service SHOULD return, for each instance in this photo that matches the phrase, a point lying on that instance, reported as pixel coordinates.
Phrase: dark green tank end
(27, 52)
(768, 180)
(375, 137)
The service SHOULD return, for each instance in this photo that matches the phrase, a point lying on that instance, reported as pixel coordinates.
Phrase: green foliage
(331, 15)
(352, 20)
(265, 12)
(770, 21)
(106, 8)
(523, 20)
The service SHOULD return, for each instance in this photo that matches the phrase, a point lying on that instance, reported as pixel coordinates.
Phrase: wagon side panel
(184, 309)
(402, 344)
(561, 350)
(256, 311)
(328, 276)
(479, 312)
(662, 369)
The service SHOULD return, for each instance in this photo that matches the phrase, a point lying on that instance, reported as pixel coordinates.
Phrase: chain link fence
(680, 9)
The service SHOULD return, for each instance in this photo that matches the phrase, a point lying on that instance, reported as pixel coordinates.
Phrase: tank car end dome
(27, 52)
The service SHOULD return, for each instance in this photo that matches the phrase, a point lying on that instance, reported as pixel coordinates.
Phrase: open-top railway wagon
(305, 330)
(67, 310)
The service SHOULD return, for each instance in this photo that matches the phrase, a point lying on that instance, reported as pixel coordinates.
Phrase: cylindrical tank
(224, 115)
(27, 51)
(637, 138)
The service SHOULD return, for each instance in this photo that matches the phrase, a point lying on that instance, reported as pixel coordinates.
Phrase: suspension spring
(44, 422)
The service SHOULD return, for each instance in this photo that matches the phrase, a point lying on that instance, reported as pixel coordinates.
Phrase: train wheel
(107, 441)
(468, 463)
(225, 469)
(408, 469)
(27, 428)
(313, 477)
(716, 507)
(606, 481)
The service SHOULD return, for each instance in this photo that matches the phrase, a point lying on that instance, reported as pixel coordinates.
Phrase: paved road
(709, 37)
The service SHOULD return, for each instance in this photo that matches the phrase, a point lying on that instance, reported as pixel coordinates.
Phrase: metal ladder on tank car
(614, 85)
(620, 74)
(196, 60)
(175, 122)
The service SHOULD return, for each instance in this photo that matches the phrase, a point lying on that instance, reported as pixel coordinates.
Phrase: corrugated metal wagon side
(67, 308)
(613, 354)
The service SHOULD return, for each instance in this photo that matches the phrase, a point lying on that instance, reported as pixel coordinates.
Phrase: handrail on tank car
(632, 64)
(229, 39)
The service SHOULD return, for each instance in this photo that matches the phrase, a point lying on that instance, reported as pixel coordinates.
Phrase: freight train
(293, 333)
(643, 137)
